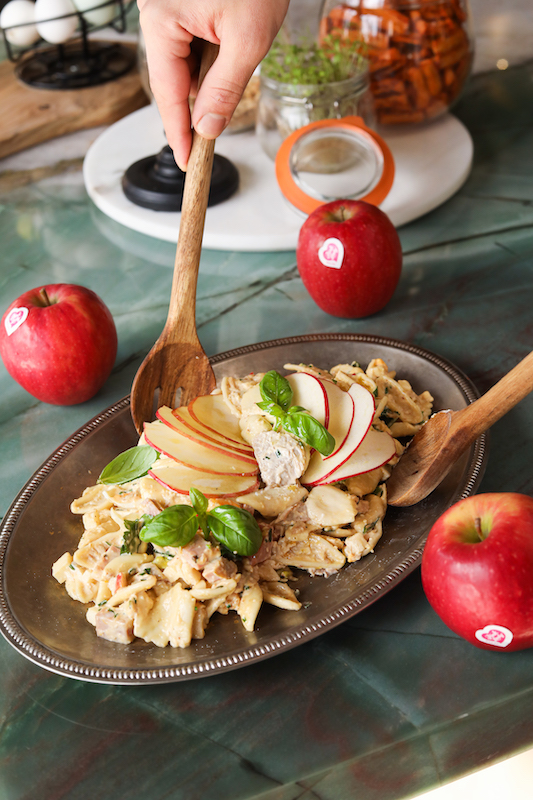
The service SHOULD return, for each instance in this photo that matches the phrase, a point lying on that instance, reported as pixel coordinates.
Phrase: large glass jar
(420, 52)
(286, 107)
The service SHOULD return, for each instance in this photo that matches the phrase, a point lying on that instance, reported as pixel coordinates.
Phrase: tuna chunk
(282, 459)
(113, 626)
(219, 569)
(199, 553)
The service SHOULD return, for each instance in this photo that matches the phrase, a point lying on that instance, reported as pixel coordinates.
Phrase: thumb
(220, 92)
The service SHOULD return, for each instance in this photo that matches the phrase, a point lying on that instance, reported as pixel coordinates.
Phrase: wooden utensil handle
(195, 198)
(504, 395)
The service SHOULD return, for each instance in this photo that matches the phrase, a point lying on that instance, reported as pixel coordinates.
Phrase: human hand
(244, 30)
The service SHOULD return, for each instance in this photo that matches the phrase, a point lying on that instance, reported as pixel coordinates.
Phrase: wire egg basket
(78, 62)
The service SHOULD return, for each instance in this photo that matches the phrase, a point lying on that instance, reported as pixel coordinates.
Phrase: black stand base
(156, 182)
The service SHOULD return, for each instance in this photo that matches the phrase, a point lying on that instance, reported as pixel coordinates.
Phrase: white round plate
(432, 163)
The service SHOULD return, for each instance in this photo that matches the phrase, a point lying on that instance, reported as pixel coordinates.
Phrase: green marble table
(387, 704)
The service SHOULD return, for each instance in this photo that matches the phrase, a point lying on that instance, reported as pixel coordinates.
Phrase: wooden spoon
(439, 443)
(177, 360)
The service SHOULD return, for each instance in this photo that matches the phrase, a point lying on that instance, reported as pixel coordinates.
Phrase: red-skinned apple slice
(171, 443)
(341, 414)
(376, 449)
(309, 392)
(211, 412)
(184, 415)
(170, 418)
(180, 479)
(320, 467)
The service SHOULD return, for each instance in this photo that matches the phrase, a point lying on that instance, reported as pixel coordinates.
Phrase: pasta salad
(223, 502)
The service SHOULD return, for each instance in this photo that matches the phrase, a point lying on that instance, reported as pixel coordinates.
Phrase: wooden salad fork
(177, 360)
(447, 434)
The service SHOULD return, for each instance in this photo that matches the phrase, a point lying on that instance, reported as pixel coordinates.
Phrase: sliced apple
(309, 392)
(181, 479)
(321, 466)
(376, 449)
(171, 443)
(184, 416)
(341, 414)
(211, 412)
(169, 417)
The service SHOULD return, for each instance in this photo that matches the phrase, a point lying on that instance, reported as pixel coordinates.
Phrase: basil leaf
(273, 409)
(236, 529)
(175, 526)
(310, 431)
(200, 503)
(198, 500)
(277, 389)
(131, 540)
(131, 464)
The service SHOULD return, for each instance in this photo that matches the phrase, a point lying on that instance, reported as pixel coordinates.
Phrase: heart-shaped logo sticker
(331, 253)
(497, 635)
(14, 319)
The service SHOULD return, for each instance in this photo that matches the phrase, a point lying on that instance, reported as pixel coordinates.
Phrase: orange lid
(334, 159)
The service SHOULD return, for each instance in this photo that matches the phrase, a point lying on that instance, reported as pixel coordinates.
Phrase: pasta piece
(80, 584)
(328, 506)
(313, 553)
(251, 601)
(222, 589)
(170, 620)
(94, 498)
(125, 563)
(59, 567)
(272, 501)
(126, 592)
(280, 595)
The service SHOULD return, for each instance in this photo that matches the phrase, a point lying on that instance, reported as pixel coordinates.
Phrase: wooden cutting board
(31, 116)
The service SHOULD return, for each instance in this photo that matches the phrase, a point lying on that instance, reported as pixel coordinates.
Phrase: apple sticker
(497, 635)
(331, 253)
(14, 319)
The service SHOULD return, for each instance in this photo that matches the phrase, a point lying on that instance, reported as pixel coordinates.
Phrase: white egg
(19, 12)
(100, 16)
(51, 29)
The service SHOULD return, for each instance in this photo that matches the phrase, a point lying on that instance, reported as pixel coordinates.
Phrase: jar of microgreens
(302, 84)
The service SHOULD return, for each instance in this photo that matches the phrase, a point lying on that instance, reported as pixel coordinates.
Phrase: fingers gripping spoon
(177, 360)
(446, 435)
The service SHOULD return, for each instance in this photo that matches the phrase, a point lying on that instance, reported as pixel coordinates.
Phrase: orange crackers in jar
(419, 51)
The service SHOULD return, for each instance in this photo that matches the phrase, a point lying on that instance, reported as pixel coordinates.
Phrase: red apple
(59, 342)
(349, 257)
(477, 570)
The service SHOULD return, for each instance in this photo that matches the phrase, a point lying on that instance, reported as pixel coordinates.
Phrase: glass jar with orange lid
(420, 52)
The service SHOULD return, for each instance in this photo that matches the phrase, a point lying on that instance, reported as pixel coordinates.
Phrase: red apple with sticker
(349, 257)
(59, 342)
(477, 570)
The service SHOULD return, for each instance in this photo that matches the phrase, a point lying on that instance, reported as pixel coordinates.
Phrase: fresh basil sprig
(176, 526)
(129, 465)
(277, 393)
(236, 529)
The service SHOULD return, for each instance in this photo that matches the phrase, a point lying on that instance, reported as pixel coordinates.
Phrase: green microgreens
(330, 61)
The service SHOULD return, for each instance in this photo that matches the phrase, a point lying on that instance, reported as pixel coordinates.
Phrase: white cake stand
(432, 163)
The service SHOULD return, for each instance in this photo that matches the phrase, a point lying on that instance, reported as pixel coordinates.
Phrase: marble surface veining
(389, 703)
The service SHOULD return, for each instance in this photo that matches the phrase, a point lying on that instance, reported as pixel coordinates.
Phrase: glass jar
(286, 107)
(420, 52)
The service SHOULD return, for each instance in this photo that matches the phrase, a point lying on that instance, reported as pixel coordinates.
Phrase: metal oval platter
(46, 626)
